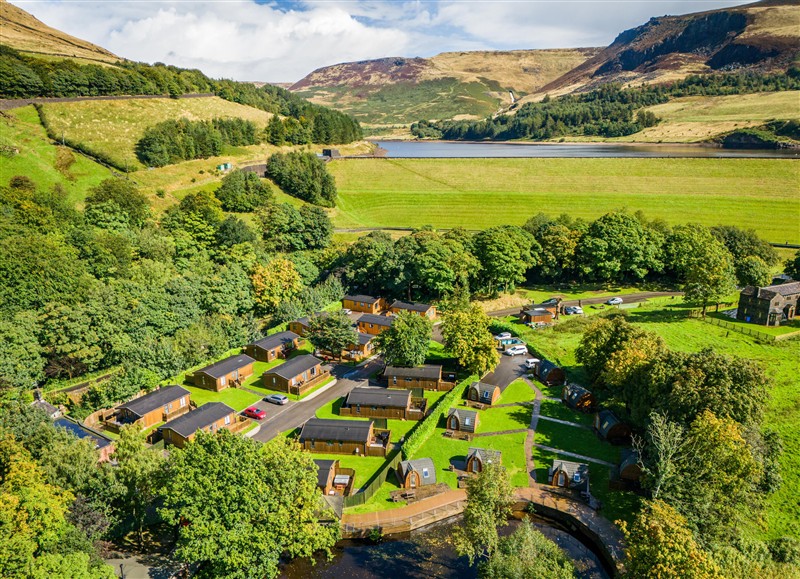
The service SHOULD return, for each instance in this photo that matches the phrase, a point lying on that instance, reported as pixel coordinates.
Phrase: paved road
(509, 369)
(293, 414)
(628, 299)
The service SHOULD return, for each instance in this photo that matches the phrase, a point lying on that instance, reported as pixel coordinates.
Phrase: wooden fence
(755, 333)
(375, 483)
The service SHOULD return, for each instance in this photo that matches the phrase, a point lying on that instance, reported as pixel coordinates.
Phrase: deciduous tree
(406, 343)
(527, 554)
(466, 335)
(274, 283)
(332, 333)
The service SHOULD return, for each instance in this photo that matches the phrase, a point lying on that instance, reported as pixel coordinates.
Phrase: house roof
(573, 393)
(295, 366)
(545, 367)
(484, 455)
(364, 339)
(275, 340)
(379, 397)
(461, 414)
(376, 319)
(361, 298)
(154, 400)
(82, 431)
(482, 387)
(45, 406)
(431, 371)
(226, 366)
(414, 307)
(420, 465)
(538, 312)
(767, 293)
(568, 467)
(193, 421)
(606, 421)
(304, 320)
(332, 429)
(324, 470)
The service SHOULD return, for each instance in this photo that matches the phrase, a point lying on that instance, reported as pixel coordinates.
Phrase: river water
(463, 149)
(426, 553)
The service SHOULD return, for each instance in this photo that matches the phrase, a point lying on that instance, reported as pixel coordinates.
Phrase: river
(463, 149)
(426, 553)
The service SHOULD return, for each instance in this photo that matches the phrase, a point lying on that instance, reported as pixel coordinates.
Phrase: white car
(503, 336)
(516, 351)
(531, 362)
(614, 301)
(577, 310)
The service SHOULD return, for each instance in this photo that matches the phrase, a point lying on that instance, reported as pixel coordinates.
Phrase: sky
(283, 40)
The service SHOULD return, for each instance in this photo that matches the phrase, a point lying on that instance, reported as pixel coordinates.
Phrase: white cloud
(285, 40)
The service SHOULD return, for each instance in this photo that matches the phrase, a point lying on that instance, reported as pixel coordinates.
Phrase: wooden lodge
(363, 304)
(483, 393)
(383, 403)
(295, 376)
(102, 444)
(569, 475)
(211, 416)
(412, 474)
(548, 373)
(477, 458)
(427, 377)
(231, 371)
(423, 310)
(362, 348)
(461, 420)
(769, 306)
(578, 398)
(538, 315)
(359, 437)
(273, 347)
(334, 480)
(372, 324)
(160, 405)
(300, 325)
(611, 428)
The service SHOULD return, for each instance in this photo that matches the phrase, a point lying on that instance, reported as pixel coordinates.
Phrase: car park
(254, 412)
(277, 399)
(614, 301)
(516, 350)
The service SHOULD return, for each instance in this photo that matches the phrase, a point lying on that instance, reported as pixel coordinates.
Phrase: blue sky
(283, 40)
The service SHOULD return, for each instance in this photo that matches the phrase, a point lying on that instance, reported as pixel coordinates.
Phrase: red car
(256, 413)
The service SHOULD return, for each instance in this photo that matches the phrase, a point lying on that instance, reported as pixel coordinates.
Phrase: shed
(629, 468)
(462, 420)
(611, 428)
(566, 474)
(548, 373)
(483, 393)
(233, 370)
(416, 473)
(52, 412)
(273, 347)
(477, 458)
(536, 315)
(578, 398)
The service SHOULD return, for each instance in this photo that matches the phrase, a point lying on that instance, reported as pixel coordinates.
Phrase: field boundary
(697, 315)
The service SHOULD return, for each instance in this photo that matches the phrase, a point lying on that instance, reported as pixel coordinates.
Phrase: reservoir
(467, 149)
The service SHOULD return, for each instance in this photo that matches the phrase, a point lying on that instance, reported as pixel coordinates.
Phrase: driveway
(508, 369)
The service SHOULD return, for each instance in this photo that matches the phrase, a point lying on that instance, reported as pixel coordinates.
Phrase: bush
(304, 176)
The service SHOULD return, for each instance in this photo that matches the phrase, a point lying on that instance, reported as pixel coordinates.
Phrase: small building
(332, 479)
(52, 412)
(537, 315)
(231, 371)
(273, 347)
(548, 373)
(362, 348)
(363, 304)
(372, 324)
(358, 437)
(503, 342)
(416, 473)
(569, 475)
(300, 326)
(769, 306)
(424, 310)
(295, 376)
(157, 406)
(578, 398)
(462, 420)
(483, 393)
(102, 444)
(383, 403)
(611, 428)
(211, 416)
(331, 153)
(629, 468)
(477, 458)
(427, 377)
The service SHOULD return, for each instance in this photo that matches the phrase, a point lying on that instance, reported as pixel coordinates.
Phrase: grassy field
(479, 193)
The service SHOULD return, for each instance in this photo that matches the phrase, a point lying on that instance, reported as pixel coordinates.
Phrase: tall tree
(752, 270)
(117, 203)
(710, 277)
(792, 266)
(274, 283)
(243, 191)
(331, 333)
(527, 554)
(406, 343)
(466, 335)
(505, 253)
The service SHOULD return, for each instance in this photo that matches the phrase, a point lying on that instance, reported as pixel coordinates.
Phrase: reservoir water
(464, 149)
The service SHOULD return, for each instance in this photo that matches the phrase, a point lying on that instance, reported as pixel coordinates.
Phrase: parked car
(503, 336)
(569, 310)
(614, 301)
(577, 310)
(277, 399)
(516, 351)
(530, 363)
(253, 412)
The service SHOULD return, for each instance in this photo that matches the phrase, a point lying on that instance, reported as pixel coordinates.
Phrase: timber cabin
(330, 436)
(427, 377)
(422, 310)
(363, 304)
(478, 457)
(461, 420)
(412, 474)
(383, 403)
(102, 444)
(211, 416)
(372, 324)
(300, 325)
(363, 348)
(273, 347)
(548, 373)
(333, 480)
(537, 315)
(483, 393)
(611, 428)
(295, 376)
(160, 405)
(629, 469)
(769, 306)
(231, 371)
(569, 475)
(578, 398)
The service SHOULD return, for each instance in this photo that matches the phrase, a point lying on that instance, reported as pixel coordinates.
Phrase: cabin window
(576, 477)
(562, 479)
(408, 379)
(236, 374)
(341, 444)
(305, 375)
(313, 371)
(394, 379)
(373, 407)
(273, 379)
(228, 419)
(485, 394)
(424, 473)
(294, 381)
(166, 409)
(358, 408)
(168, 434)
(183, 401)
(222, 381)
(467, 421)
(605, 425)
(330, 443)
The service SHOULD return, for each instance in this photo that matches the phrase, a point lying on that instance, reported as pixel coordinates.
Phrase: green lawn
(233, 397)
(576, 440)
(507, 418)
(381, 500)
(436, 353)
(365, 466)
(468, 192)
(559, 410)
(517, 391)
(788, 328)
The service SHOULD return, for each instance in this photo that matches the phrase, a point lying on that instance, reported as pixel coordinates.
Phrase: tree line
(609, 111)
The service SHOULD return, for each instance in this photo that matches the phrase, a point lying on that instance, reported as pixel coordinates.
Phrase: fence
(374, 484)
(392, 522)
(759, 335)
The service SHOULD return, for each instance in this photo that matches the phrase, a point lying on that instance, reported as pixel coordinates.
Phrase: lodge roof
(767, 293)
(420, 465)
(484, 454)
(226, 366)
(295, 366)
(81, 431)
(482, 387)
(376, 319)
(325, 467)
(573, 393)
(431, 371)
(378, 397)
(332, 429)
(545, 367)
(275, 340)
(193, 421)
(154, 400)
(361, 298)
(411, 306)
(461, 414)
(606, 420)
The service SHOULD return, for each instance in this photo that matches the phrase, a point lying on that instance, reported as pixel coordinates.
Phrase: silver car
(277, 399)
